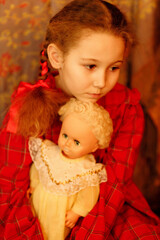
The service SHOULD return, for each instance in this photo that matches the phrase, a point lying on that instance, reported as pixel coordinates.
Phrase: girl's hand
(71, 219)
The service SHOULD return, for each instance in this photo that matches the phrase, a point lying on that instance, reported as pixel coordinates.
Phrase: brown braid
(45, 67)
(38, 111)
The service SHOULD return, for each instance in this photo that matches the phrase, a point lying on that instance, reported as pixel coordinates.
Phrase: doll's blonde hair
(97, 118)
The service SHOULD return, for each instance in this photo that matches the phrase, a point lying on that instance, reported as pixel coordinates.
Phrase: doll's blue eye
(76, 142)
(65, 135)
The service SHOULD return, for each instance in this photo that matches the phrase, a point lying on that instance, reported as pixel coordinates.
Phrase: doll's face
(92, 67)
(76, 138)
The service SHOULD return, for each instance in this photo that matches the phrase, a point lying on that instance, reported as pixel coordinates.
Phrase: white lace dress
(61, 184)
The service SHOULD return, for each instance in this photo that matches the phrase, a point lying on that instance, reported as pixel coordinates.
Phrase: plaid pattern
(121, 212)
(16, 218)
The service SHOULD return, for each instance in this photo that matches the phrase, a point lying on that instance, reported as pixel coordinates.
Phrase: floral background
(22, 29)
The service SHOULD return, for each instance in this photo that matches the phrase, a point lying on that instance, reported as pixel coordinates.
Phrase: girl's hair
(97, 118)
(71, 23)
(38, 111)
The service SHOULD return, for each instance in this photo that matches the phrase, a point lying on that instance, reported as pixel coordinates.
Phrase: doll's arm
(34, 177)
(85, 201)
(71, 219)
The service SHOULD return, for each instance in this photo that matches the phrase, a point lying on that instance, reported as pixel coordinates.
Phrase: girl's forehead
(93, 44)
(94, 35)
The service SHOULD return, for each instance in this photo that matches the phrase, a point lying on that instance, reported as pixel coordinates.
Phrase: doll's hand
(71, 219)
(29, 192)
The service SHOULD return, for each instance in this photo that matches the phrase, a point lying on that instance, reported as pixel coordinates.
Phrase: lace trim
(90, 172)
(91, 176)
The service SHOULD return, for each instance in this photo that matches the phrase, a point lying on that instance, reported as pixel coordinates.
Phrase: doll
(65, 178)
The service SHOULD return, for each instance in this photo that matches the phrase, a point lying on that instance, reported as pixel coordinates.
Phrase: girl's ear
(55, 56)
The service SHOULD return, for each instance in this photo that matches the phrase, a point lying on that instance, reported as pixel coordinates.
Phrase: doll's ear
(55, 56)
(96, 146)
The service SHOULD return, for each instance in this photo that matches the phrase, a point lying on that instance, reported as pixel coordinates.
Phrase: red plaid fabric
(121, 212)
(16, 218)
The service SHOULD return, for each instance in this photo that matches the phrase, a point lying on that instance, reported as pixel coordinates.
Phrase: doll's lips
(66, 150)
(65, 154)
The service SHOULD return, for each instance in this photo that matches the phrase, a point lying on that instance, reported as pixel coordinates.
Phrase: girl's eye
(76, 142)
(64, 135)
(90, 66)
(114, 68)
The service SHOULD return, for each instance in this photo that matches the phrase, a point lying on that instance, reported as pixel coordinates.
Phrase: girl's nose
(100, 80)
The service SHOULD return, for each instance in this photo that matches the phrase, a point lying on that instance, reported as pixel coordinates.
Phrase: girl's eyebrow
(97, 61)
(90, 59)
(118, 61)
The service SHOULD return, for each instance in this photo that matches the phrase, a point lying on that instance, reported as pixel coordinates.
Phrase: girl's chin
(88, 99)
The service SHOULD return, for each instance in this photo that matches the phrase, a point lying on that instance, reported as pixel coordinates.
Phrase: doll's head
(79, 17)
(84, 123)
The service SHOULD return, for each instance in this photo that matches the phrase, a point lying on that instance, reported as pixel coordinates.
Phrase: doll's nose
(68, 142)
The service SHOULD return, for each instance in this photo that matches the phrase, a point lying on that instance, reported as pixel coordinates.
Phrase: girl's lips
(94, 95)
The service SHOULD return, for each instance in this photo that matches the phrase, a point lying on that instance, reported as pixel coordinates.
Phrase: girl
(86, 42)
(65, 178)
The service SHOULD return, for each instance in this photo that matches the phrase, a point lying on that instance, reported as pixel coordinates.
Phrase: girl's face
(92, 67)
